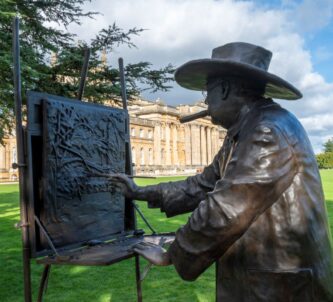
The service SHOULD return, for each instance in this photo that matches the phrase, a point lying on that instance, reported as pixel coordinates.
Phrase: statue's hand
(125, 184)
(155, 254)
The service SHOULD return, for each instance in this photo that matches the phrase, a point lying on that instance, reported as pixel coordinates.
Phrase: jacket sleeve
(180, 197)
(261, 168)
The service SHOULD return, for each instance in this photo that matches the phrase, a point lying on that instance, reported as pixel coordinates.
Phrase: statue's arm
(179, 197)
(260, 170)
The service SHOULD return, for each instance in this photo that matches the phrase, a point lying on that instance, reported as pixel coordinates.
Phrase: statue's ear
(225, 88)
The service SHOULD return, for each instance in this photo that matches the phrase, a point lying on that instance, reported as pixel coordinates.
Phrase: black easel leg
(137, 275)
(27, 275)
(43, 282)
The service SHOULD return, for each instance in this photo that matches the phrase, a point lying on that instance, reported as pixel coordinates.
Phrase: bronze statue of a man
(258, 208)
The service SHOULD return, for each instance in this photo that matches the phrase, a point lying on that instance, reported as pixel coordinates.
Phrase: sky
(299, 33)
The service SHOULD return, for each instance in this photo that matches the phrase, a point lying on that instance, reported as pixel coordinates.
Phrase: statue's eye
(225, 87)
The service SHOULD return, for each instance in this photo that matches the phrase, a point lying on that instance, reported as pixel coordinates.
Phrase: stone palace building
(160, 144)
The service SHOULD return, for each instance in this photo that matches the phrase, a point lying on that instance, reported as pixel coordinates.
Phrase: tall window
(132, 131)
(142, 156)
(14, 156)
(2, 157)
(150, 134)
(141, 133)
(162, 156)
(150, 156)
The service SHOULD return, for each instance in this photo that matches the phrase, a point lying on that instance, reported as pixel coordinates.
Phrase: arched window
(132, 131)
(133, 155)
(150, 156)
(142, 156)
(141, 133)
(150, 134)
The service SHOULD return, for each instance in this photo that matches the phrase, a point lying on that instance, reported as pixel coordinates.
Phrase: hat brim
(194, 75)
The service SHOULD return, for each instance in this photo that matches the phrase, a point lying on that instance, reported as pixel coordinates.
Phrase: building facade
(160, 144)
(8, 156)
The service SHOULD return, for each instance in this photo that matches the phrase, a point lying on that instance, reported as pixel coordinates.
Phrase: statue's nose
(208, 99)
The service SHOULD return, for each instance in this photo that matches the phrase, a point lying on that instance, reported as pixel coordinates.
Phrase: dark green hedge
(325, 160)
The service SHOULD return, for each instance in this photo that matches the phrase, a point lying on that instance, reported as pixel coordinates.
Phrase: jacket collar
(235, 128)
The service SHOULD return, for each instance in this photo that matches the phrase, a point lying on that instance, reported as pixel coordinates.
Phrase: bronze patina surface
(258, 209)
(79, 140)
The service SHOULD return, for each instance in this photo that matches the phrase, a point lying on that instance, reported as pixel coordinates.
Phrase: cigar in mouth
(192, 117)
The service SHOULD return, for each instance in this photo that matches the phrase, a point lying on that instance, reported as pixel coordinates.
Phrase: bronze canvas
(79, 140)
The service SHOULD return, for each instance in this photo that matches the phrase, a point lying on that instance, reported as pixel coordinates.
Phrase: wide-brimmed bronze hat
(240, 60)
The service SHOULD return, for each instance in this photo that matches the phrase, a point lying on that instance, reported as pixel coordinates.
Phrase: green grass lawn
(105, 284)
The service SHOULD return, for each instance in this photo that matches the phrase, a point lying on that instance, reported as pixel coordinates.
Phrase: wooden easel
(41, 239)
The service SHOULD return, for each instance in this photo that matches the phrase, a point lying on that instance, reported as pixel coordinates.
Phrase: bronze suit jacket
(258, 210)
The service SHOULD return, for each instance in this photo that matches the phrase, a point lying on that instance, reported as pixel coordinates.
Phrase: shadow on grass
(101, 284)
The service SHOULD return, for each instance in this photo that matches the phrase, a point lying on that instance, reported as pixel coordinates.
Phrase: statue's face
(224, 105)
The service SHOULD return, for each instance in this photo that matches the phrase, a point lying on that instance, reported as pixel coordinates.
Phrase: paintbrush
(110, 175)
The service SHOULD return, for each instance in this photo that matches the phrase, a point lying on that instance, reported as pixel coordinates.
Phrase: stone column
(157, 144)
(214, 142)
(8, 157)
(203, 149)
(195, 143)
(217, 141)
(218, 144)
(209, 145)
(167, 145)
(188, 147)
(174, 145)
(2, 157)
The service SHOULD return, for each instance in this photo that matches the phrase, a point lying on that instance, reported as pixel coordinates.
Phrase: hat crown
(244, 53)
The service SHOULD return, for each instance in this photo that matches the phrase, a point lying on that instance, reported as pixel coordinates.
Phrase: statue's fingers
(141, 245)
(141, 252)
(150, 244)
(144, 246)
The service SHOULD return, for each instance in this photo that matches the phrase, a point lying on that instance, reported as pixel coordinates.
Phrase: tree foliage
(39, 41)
(328, 146)
(325, 160)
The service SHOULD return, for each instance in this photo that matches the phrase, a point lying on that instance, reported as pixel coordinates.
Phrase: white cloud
(318, 122)
(179, 31)
(310, 15)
